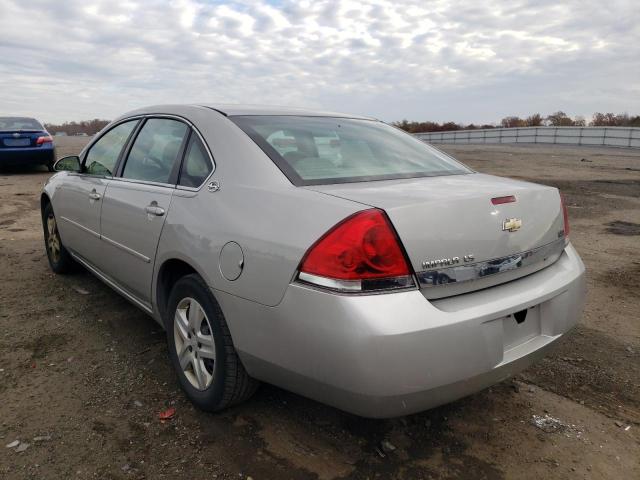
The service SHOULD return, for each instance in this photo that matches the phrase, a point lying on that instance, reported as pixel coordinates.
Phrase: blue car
(24, 141)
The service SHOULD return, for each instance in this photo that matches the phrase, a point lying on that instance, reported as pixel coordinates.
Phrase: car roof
(18, 118)
(231, 110)
(235, 110)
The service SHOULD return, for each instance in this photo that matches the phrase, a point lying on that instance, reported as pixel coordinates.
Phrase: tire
(60, 259)
(211, 373)
(50, 166)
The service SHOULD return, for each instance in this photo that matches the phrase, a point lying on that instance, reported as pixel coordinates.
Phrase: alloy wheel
(195, 345)
(53, 239)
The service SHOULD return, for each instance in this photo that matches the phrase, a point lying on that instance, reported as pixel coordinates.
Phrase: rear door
(79, 200)
(136, 203)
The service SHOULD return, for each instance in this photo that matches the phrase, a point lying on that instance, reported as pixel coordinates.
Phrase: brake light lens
(361, 253)
(565, 216)
(502, 200)
(44, 139)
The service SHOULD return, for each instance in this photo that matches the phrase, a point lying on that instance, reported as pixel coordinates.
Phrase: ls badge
(511, 225)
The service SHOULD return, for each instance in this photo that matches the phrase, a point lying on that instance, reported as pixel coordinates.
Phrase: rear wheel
(201, 348)
(59, 258)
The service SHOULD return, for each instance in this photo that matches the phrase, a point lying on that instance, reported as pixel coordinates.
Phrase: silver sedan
(329, 254)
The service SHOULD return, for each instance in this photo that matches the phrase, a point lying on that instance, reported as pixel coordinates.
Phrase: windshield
(325, 150)
(19, 123)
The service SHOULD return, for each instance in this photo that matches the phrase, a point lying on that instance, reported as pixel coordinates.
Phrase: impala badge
(511, 225)
(446, 262)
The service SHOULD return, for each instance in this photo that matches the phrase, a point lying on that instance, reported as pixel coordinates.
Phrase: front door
(79, 200)
(136, 204)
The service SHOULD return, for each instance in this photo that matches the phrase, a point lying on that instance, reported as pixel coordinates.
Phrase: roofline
(230, 110)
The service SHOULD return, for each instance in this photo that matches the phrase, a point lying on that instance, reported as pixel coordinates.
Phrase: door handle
(95, 195)
(154, 210)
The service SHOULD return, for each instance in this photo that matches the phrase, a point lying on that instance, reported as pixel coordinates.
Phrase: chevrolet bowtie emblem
(511, 224)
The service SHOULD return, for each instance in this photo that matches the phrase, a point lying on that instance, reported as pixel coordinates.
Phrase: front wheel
(59, 257)
(201, 348)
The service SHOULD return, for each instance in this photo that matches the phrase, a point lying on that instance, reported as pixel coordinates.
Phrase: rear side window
(325, 150)
(155, 150)
(196, 166)
(103, 155)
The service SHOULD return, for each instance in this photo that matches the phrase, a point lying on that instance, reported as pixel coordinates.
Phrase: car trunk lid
(19, 138)
(456, 239)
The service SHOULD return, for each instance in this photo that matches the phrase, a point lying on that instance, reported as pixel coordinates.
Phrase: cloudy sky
(474, 61)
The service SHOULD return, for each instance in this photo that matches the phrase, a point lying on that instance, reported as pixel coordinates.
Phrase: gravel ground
(83, 374)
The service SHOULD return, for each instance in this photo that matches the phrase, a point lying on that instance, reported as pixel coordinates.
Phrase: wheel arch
(44, 201)
(169, 272)
(49, 191)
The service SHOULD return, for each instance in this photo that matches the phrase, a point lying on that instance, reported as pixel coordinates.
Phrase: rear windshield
(325, 150)
(19, 123)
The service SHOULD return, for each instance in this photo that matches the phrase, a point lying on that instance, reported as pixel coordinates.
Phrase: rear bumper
(26, 156)
(396, 354)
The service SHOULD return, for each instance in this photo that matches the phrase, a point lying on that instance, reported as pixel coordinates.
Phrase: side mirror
(68, 164)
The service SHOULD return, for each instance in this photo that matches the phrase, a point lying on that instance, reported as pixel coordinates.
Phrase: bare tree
(512, 122)
(610, 120)
(534, 120)
(557, 119)
(560, 119)
(417, 127)
(90, 127)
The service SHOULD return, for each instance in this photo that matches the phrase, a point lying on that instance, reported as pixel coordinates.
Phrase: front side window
(325, 150)
(196, 166)
(155, 150)
(103, 155)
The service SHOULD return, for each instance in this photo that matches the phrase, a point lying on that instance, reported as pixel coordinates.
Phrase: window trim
(119, 166)
(127, 147)
(182, 163)
(177, 167)
(178, 160)
(212, 160)
(85, 153)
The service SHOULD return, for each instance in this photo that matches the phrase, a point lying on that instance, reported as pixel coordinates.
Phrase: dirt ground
(84, 374)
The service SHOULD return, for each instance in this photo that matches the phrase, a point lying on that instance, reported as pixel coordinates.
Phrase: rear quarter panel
(256, 207)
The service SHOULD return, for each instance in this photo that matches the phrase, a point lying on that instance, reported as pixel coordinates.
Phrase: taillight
(501, 200)
(361, 253)
(44, 139)
(565, 216)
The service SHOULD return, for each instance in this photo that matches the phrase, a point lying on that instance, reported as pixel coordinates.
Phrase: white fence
(607, 136)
